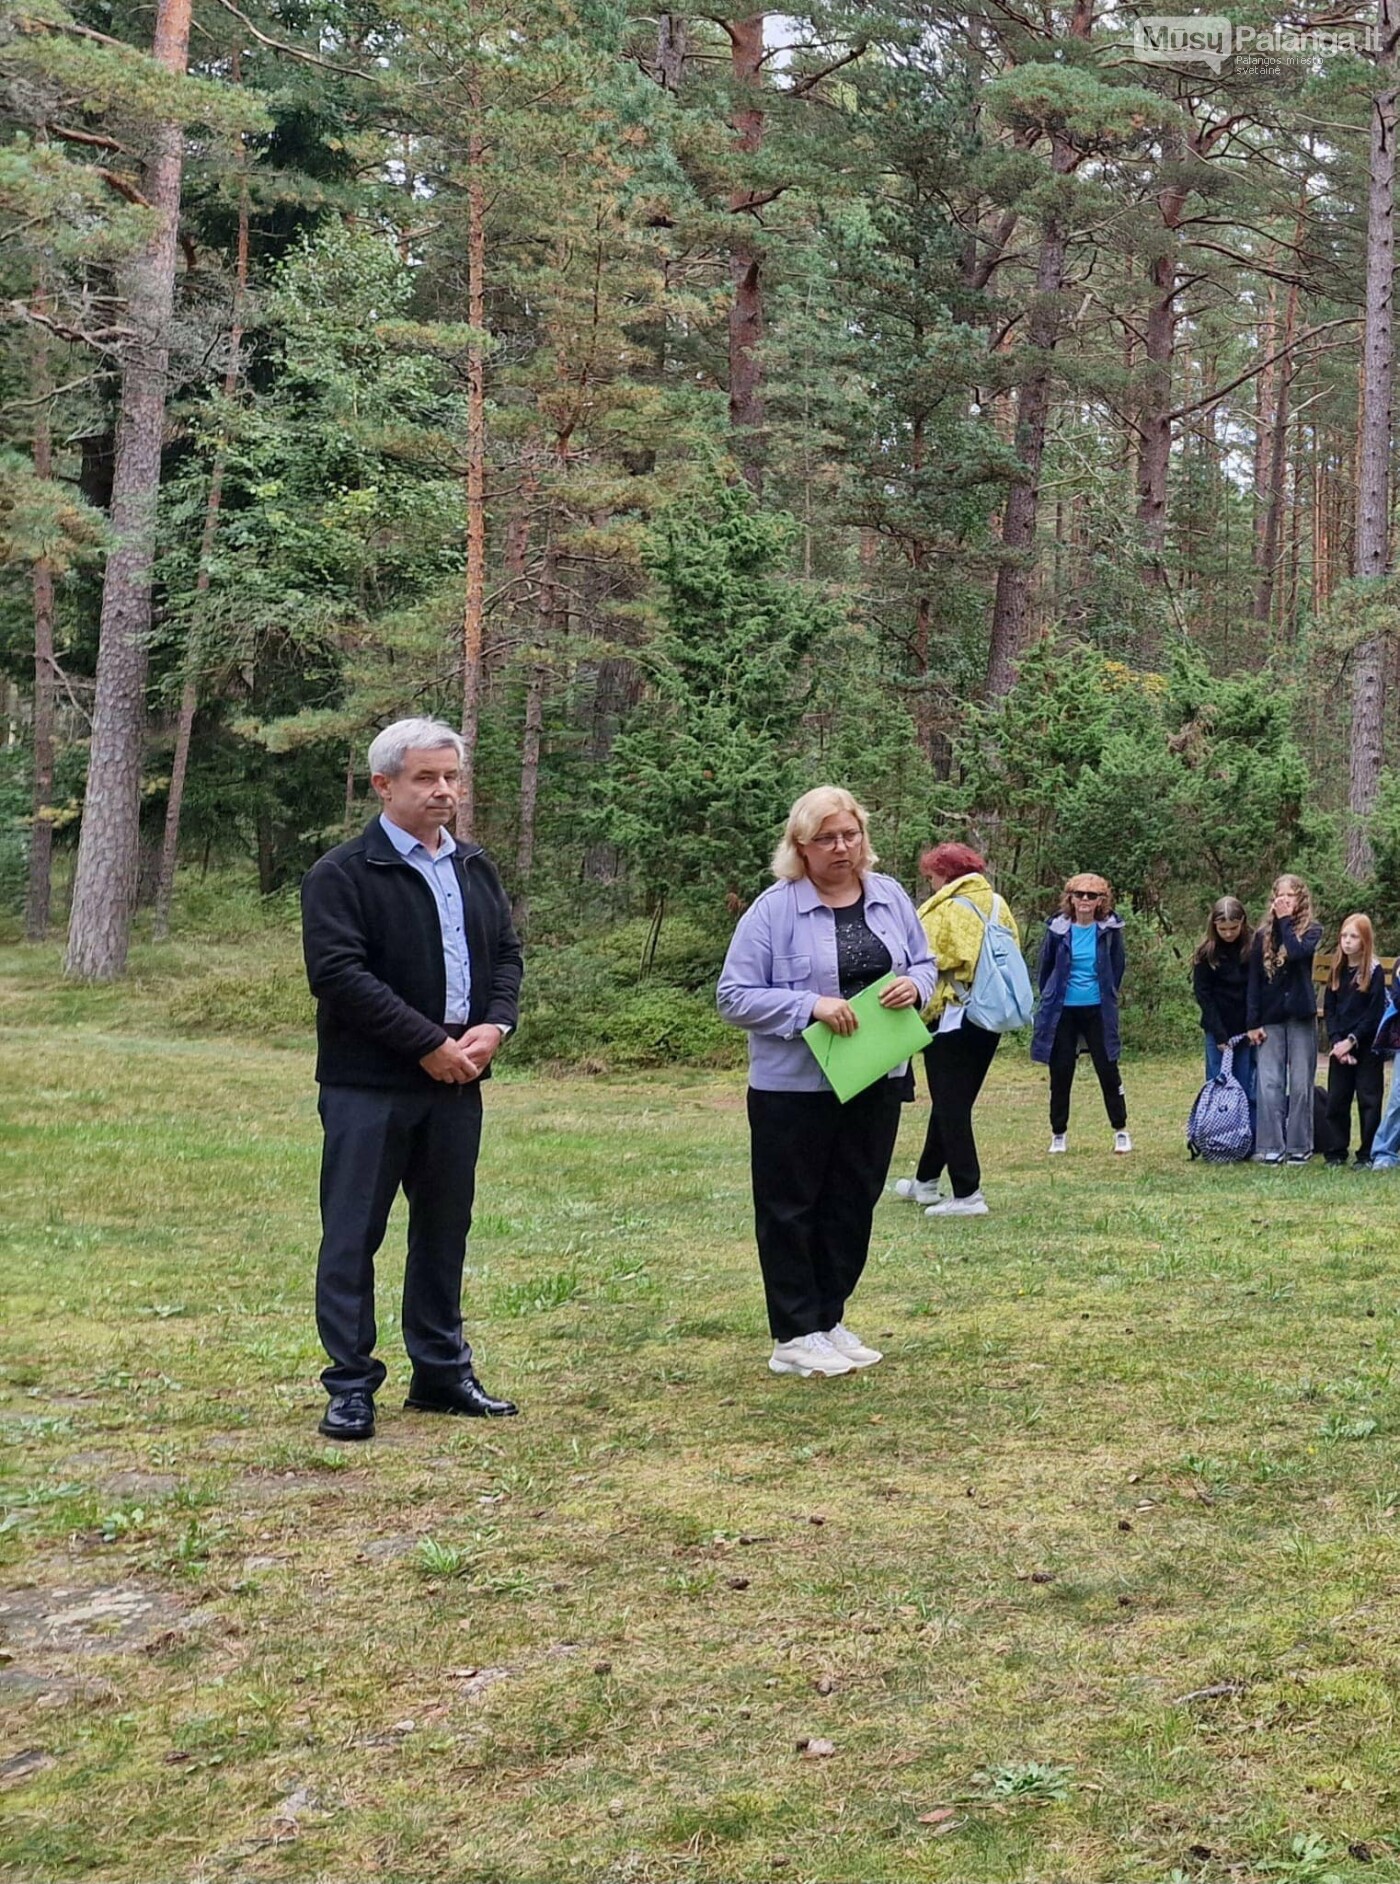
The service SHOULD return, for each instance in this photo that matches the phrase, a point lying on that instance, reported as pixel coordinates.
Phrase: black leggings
(1086, 1024)
(956, 1064)
(1364, 1082)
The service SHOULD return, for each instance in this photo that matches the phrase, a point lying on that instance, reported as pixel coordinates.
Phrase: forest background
(954, 401)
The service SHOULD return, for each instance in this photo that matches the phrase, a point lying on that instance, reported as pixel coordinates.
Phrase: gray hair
(390, 748)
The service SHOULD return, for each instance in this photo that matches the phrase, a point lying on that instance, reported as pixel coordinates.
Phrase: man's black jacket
(373, 945)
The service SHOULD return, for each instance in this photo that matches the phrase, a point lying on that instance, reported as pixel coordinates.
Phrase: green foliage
(1178, 791)
(700, 781)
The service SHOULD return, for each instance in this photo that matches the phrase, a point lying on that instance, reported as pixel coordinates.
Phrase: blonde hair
(1088, 880)
(1368, 960)
(1273, 953)
(806, 818)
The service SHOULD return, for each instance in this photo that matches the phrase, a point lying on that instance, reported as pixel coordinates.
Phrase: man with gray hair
(416, 969)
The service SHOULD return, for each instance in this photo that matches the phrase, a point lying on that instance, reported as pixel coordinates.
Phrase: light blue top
(441, 878)
(1084, 970)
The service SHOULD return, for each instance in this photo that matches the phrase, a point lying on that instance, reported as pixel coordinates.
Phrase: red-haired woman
(960, 1054)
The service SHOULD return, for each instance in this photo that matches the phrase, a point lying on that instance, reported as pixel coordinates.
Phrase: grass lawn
(1095, 1578)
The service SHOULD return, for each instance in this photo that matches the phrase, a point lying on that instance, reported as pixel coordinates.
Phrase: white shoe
(1122, 1142)
(1058, 1142)
(809, 1354)
(973, 1206)
(916, 1193)
(852, 1346)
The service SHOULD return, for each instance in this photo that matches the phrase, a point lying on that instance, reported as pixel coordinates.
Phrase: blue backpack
(1218, 1129)
(1000, 998)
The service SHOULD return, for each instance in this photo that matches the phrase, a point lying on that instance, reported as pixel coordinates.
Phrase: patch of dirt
(387, 1549)
(140, 1484)
(111, 1618)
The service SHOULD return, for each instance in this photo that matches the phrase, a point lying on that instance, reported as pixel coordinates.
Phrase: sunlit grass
(1092, 1579)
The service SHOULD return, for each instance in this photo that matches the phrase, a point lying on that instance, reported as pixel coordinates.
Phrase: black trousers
(818, 1170)
(375, 1142)
(1086, 1024)
(956, 1064)
(1364, 1082)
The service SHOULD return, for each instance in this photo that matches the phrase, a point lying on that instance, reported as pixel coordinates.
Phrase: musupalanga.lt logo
(1210, 39)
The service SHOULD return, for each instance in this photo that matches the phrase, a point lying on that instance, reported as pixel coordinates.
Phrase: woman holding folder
(828, 928)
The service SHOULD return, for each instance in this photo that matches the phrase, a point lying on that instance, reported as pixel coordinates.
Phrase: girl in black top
(1281, 1010)
(1351, 1013)
(1220, 982)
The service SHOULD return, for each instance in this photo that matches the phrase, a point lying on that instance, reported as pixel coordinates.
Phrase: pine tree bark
(1009, 613)
(474, 612)
(39, 891)
(1278, 464)
(746, 312)
(189, 690)
(531, 740)
(1373, 495)
(104, 889)
(1011, 608)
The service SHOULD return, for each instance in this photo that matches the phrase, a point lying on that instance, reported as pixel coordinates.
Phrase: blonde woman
(830, 926)
(1281, 1013)
(1081, 971)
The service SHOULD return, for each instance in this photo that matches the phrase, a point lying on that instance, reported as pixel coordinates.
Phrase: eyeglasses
(828, 840)
(1085, 896)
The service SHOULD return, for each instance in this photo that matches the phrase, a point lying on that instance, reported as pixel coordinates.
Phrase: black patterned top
(861, 957)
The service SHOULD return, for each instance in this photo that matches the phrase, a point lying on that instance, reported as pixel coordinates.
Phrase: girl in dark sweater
(1281, 1010)
(1220, 981)
(1351, 1013)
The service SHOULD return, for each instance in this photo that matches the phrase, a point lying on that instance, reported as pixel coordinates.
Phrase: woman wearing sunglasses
(1081, 971)
(830, 926)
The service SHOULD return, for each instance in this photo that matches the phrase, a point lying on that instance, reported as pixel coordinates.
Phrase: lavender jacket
(782, 959)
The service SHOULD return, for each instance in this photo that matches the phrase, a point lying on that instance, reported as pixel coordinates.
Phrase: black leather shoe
(464, 1396)
(349, 1416)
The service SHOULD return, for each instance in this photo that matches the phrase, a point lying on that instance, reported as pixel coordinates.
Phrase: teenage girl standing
(1351, 1013)
(1282, 1015)
(1220, 982)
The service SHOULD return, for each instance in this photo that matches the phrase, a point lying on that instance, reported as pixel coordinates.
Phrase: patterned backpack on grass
(1218, 1129)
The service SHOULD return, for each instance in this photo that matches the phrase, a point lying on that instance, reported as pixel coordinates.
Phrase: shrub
(266, 1002)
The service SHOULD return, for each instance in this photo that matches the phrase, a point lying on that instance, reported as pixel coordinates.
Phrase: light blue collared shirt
(441, 878)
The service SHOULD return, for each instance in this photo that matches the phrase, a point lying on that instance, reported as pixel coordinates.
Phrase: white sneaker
(1122, 1142)
(1058, 1142)
(852, 1346)
(916, 1193)
(973, 1206)
(809, 1354)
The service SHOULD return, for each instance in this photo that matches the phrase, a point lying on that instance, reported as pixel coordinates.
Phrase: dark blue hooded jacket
(1055, 963)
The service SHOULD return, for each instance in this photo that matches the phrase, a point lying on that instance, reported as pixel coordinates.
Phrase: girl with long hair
(1220, 982)
(1281, 1011)
(1351, 1012)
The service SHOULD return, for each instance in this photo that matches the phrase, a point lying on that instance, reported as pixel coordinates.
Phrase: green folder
(885, 1037)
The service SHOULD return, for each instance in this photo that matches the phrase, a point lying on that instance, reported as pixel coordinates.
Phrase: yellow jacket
(955, 934)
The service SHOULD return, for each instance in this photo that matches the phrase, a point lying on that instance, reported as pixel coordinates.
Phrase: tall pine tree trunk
(37, 899)
(189, 690)
(530, 743)
(474, 612)
(1373, 495)
(1269, 547)
(104, 889)
(746, 406)
(1011, 608)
